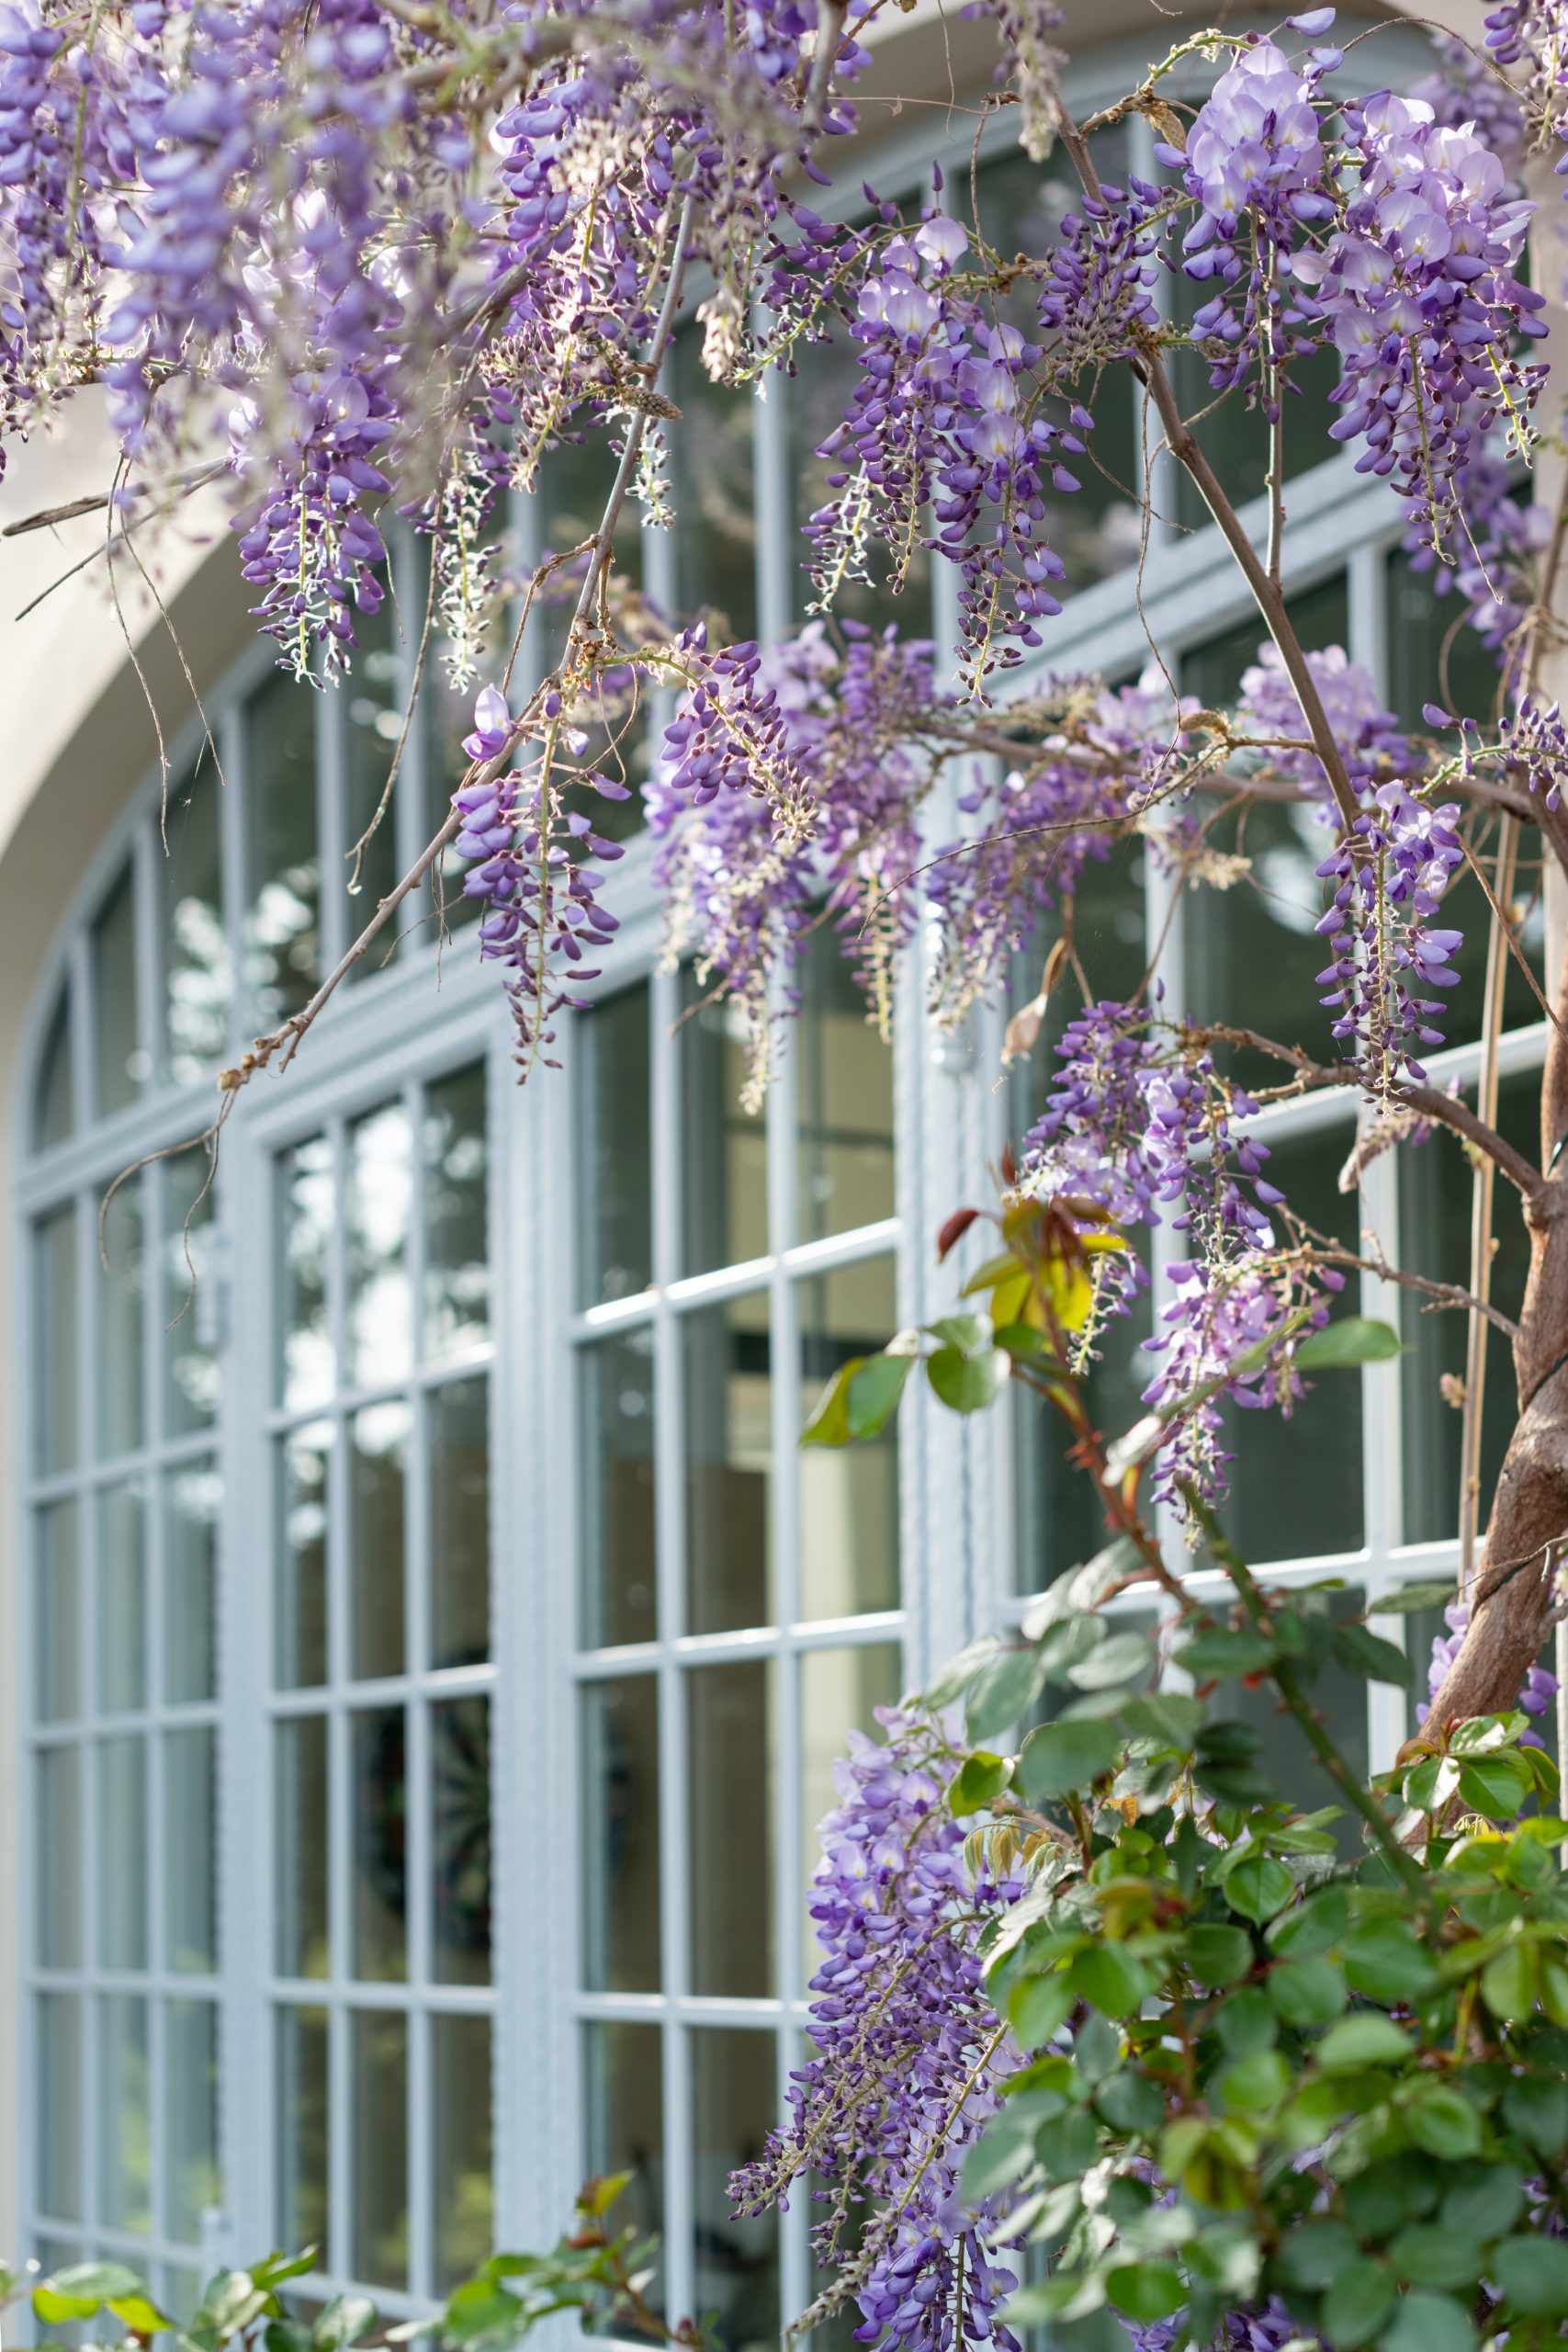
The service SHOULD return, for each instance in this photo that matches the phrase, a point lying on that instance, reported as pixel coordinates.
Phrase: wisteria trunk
(1515, 1587)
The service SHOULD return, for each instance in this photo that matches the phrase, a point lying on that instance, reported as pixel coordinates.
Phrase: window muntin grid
(380, 1992)
(730, 1630)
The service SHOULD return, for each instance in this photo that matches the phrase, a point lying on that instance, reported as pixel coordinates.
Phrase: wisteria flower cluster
(910, 2057)
(1389, 876)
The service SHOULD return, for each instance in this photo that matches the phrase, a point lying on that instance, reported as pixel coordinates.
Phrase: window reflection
(120, 1617)
(456, 1427)
(625, 2125)
(191, 1289)
(729, 1466)
(463, 2229)
(198, 960)
(122, 1834)
(57, 1611)
(456, 1253)
(190, 1791)
(725, 1152)
(380, 1206)
(371, 702)
(121, 1064)
(380, 1906)
(619, 1528)
(55, 1393)
(849, 1495)
(54, 1114)
(730, 1726)
(711, 477)
(191, 1499)
(614, 1132)
(283, 926)
(461, 1849)
(58, 2117)
(125, 2180)
(301, 1614)
(190, 2115)
(301, 1797)
(844, 1099)
(733, 2106)
(378, 2246)
(620, 1779)
(301, 2140)
(121, 1286)
(309, 1212)
(378, 1454)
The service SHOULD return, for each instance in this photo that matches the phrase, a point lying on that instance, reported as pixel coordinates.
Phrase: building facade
(430, 1646)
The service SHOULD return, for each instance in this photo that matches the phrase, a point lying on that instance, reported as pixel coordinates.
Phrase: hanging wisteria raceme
(1389, 876)
(909, 2059)
(1371, 742)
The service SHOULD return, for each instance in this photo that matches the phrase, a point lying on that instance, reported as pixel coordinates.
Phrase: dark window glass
(734, 2106)
(729, 1726)
(371, 703)
(849, 1496)
(122, 1065)
(618, 1529)
(844, 1099)
(459, 1801)
(282, 944)
(620, 1777)
(465, 2201)
(198, 958)
(730, 1459)
(624, 2087)
(711, 478)
(457, 1428)
(817, 401)
(54, 1114)
(725, 1148)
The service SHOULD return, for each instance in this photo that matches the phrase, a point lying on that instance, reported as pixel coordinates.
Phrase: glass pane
(849, 1496)
(302, 1947)
(124, 2114)
(618, 1532)
(624, 2086)
(283, 927)
(378, 2247)
(614, 1149)
(456, 1427)
(1434, 1186)
(122, 1853)
(1281, 1506)
(59, 2105)
(731, 1746)
(735, 2104)
(1253, 953)
(371, 711)
(620, 1779)
(309, 1212)
(57, 1612)
(190, 2114)
(465, 2204)
(191, 1499)
(1235, 436)
(54, 1320)
(380, 1833)
(121, 1063)
(459, 1830)
(380, 1205)
(1433, 654)
(191, 1294)
(456, 1253)
(58, 1882)
(190, 1791)
(302, 2128)
(198, 961)
(1340, 1699)
(122, 1388)
(730, 1460)
(839, 1692)
(714, 541)
(817, 402)
(121, 1612)
(378, 1462)
(302, 1570)
(845, 1099)
(724, 1172)
(1059, 1519)
(54, 1112)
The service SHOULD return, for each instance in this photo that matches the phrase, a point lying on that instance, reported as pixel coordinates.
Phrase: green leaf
(1427, 2322)
(1219, 1955)
(967, 1373)
(1442, 2122)
(1130, 2102)
(961, 1670)
(1036, 2006)
(1121, 1658)
(1308, 1992)
(55, 2309)
(829, 1423)
(1003, 1692)
(1508, 1982)
(1314, 1926)
(1383, 1959)
(1357, 2302)
(480, 2309)
(1066, 2146)
(1369, 1656)
(97, 2281)
(1168, 1718)
(1259, 1886)
(1407, 1598)
(981, 1777)
(1071, 2294)
(1217, 1650)
(1061, 1756)
(1315, 2254)
(1111, 1980)
(1364, 2040)
(1255, 2083)
(348, 2317)
(1533, 2274)
(1353, 1340)
(1537, 2111)
(1145, 2291)
(1429, 2255)
(138, 2313)
(1494, 1785)
(1002, 2154)
(1484, 2204)
(875, 1391)
(232, 2301)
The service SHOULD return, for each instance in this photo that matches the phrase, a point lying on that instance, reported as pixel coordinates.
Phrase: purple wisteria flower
(910, 2058)
(1537, 1694)
(1390, 874)
(1371, 739)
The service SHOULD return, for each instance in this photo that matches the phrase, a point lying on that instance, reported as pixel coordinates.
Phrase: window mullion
(418, 1778)
(340, 1754)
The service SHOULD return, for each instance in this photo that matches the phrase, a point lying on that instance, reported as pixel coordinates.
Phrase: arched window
(437, 1646)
